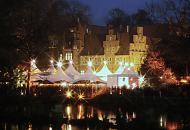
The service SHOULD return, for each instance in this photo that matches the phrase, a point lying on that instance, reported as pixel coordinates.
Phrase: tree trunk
(28, 79)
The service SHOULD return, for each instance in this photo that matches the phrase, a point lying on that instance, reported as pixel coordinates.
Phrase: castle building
(99, 44)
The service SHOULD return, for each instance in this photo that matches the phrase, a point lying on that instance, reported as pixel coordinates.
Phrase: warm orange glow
(183, 81)
(81, 96)
(68, 94)
(68, 111)
(51, 61)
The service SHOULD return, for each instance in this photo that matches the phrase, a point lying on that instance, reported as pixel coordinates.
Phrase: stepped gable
(151, 31)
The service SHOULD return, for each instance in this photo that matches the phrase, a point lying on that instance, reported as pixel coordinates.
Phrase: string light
(51, 61)
(71, 62)
(59, 64)
(90, 63)
(68, 94)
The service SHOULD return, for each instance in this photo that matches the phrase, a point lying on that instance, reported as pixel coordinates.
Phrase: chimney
(127, 28)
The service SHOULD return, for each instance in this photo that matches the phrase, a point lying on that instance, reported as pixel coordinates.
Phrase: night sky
(99, 8)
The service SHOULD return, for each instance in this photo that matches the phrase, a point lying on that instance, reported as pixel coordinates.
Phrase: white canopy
(34, 68)
(51, 69)
(104, 72)
(120, 69)
(35, 72)
(71, 71)
(59, 76)
(35, 77)
(89, 76)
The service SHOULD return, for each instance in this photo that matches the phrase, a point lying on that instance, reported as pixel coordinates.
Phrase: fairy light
(90, 63)
(71, 62)
(68, 94)
(59, 64)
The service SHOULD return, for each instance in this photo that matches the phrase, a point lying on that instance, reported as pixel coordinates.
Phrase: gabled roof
(120, 69)
(71, 71)
(104, 72)
(59, 76)
(51, 69)
(88, 76)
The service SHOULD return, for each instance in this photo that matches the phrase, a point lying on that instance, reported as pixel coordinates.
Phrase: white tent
(34, 68)
(89, 76)
(71, 71)
(35, 77)
(120, 69)
(59, 76)
(35, 72)
(104, 72)
(51, 69)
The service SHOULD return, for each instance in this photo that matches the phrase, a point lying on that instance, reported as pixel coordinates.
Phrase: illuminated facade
(99, 44)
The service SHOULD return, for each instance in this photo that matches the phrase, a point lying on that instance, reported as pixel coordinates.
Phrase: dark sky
(99, 8)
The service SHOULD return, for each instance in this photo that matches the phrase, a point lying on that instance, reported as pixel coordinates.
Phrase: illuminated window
(69, 56)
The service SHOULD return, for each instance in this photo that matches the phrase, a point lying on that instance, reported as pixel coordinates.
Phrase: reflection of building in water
(68, 112)
(67, 127)
(130, 116)
(100, 115)
(169, 125)
(80, 114)
(163, 121)
(90, 112)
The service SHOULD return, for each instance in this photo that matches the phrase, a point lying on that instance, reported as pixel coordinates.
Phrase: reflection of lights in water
(111, 117)
(110, 91)
(120, 92)
(21, 93)
(127, 115)
(66, 127)
(163, 121)
(100, 115)
(92, 112)
(68, 111)
(50, 128)
(69, 127)
(80, 112)
(172, 126)
(30, 126)
(134, 115)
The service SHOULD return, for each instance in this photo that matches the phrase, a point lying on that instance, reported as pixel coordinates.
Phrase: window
(69, 56)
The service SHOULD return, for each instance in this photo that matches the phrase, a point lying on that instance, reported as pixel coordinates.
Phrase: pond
(86, 117)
